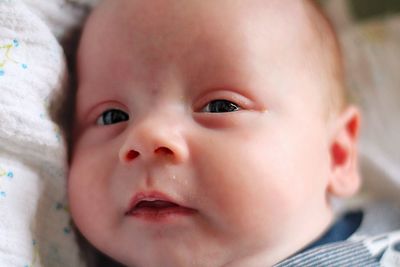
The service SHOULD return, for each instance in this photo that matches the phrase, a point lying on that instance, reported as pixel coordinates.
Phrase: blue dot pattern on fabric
(67, 230)
(59, 206)
(5, 175)
(6, 55)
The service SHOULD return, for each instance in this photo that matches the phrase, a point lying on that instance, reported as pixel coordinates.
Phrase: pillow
(35, 225)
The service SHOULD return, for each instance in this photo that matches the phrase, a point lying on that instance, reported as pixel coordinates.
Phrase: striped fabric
(375, 251)
(341, 254)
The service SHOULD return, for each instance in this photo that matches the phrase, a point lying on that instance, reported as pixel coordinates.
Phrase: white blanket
(35, 225)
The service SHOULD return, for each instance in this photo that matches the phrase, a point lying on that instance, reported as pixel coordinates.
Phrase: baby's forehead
(278, 27)
(174, 24)
(198, 31)
(162, 15)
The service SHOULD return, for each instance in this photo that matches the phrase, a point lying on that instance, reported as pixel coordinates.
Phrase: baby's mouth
(154, 205)
(156, 208)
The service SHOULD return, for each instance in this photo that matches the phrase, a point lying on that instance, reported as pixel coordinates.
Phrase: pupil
(222, 106)
(114, 116)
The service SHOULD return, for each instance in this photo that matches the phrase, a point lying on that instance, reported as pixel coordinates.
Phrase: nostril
(163, 150)
(132, 154)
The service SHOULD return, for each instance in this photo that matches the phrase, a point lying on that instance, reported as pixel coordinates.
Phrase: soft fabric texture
(35, 225)
(375, 251)
(375, 242)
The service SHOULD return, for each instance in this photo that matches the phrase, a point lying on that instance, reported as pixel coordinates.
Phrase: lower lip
(158, 215)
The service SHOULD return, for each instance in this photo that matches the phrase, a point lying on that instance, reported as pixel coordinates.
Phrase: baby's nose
(163, 151)
(147, 143)
(133, 154)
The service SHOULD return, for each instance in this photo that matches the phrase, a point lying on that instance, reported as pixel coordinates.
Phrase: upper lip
(150, 197)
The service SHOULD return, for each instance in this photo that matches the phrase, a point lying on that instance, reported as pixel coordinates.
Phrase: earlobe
(344, 177)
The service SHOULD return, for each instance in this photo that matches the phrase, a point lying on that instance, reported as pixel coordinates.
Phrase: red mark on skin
(132, 154)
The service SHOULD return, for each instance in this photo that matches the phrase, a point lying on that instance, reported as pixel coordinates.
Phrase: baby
(209, 133)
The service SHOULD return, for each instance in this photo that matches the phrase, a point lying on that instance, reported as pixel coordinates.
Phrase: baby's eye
(220, 106)
(112, 116)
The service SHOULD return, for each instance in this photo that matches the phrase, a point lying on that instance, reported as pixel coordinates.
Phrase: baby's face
(200, 138)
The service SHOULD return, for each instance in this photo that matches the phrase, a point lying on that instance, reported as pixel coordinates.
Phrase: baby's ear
(344, 177)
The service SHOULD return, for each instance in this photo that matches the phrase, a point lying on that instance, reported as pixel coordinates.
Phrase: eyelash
(110, 114)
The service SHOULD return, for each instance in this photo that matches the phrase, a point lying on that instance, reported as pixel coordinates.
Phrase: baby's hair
(336, 93)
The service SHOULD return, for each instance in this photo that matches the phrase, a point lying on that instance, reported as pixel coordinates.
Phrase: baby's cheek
(78, 202)
(88, 201)
(82, 185)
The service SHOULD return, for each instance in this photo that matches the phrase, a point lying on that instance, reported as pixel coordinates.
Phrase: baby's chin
(168, 258)
(196, 256)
